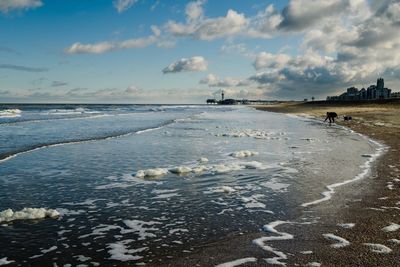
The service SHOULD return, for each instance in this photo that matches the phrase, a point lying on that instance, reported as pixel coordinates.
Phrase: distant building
(373, 92)
(395, 95)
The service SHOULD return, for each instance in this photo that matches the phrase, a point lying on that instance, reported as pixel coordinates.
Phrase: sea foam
(243, 154)
(27, 214)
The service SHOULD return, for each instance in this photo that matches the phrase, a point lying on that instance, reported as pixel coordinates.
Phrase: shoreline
(379, 203)
(347, 231)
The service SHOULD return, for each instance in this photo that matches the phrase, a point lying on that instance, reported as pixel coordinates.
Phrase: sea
(138, 184)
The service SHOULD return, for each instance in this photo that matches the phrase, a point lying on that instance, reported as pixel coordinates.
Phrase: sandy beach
(367, 218)
(359, 227)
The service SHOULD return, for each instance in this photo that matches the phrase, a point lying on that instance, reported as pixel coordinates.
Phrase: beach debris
(243, 154)
(378, 248)
(313, 264)
(391, 228)
(27, 214)
(237, 262)
(341, 242)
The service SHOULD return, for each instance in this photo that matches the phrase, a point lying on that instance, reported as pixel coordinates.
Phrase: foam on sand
(280, 236)
(341, 242)
(378, 248)
(237, 262)
(313, 264)
(391, 228)
(27, 214)
(394, 241)
(151, 172)
(346, 225)
(327, 195)
(243, 154)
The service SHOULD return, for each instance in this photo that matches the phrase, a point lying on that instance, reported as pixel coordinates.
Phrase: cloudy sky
(175, 51)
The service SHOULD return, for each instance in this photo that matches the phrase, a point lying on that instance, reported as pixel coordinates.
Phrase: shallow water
(82, 161)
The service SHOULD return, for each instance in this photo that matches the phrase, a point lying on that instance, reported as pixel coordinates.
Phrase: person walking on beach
(331, 116)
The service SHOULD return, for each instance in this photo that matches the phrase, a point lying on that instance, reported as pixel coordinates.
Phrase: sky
(175, 51)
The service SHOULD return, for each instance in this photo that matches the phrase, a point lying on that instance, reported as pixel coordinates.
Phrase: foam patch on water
(252, 202)
(257, 134)
(181, 170)
(243, 154)
(341, 242)
(140, 228)
(222, 189)
(276, 186)
(378, 248)
(261, 242)
(237, 262)
(120, 252)
(203, 160)
(27, 214)
(5, 261)
(151, 172)
(391, 228)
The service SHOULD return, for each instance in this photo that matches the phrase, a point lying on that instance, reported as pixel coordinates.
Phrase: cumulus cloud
(213, 81)
(207, 28)
(187, 64)
(7, 6)
(22, 68)
(122, 5)
(103, 47)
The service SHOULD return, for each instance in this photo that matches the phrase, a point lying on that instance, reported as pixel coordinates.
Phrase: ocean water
(221, 170)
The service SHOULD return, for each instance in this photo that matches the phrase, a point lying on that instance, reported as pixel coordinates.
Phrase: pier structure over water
(231, 101)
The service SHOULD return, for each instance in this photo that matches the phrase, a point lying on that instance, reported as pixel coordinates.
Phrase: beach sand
(370, 205)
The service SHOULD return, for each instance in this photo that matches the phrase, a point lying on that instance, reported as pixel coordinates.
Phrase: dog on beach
(331, 116)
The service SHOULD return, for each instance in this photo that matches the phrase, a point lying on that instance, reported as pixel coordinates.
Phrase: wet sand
(370, 204)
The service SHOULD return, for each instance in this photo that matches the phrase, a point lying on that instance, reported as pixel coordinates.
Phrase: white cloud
(123, 5)
(207, 28)
(11, 5)
(187, 64)
(103, 47)
(213, 81)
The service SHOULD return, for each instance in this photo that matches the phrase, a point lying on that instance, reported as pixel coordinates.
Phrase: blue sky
(149, 51)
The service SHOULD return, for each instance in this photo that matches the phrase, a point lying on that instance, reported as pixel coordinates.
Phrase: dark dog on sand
(331, 116)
